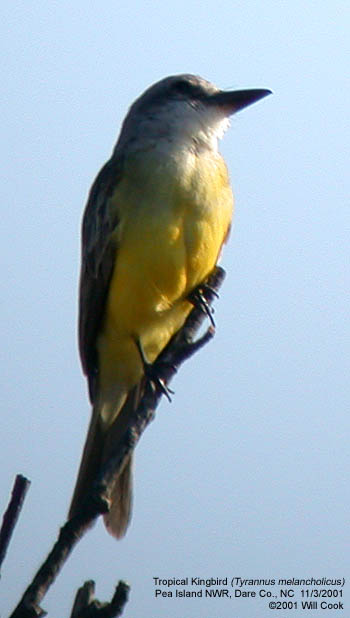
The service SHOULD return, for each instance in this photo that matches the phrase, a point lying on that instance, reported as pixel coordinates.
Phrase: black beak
(235, 100)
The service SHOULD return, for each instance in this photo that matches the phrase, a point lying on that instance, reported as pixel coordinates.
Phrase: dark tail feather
(119, 515)
(90, 463)
(99, 446)
(120, 495)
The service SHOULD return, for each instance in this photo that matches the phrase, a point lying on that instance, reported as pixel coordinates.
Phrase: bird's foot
(156, 382)
(153, 373)
(198, 298)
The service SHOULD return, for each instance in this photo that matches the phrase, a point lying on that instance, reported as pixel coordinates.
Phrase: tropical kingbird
(157, 216)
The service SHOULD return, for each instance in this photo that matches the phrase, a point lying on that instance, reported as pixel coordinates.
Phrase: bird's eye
(182, 86)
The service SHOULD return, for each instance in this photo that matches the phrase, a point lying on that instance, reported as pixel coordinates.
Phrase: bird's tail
(100, 442)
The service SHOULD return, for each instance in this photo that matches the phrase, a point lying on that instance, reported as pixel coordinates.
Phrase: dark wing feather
(97, 262)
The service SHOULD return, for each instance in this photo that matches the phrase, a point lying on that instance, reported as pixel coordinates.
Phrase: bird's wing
(97, 263)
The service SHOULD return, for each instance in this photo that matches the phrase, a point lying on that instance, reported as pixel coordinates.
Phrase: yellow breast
(174, 218)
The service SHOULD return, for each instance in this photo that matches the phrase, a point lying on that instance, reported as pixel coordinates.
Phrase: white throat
(176, 125)
(202, 126)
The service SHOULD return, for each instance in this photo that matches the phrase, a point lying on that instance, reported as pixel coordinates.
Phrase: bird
(156, 219)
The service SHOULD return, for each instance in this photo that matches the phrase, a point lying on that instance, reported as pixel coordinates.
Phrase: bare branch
(10, 518)
(68, 537)
(83, 599)
(85, 606)
(181, 347)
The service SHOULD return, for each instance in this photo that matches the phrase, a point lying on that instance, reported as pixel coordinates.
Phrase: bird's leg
(198, 299)
(152, 373)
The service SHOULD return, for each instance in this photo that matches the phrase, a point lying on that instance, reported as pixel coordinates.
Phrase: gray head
(183, 107)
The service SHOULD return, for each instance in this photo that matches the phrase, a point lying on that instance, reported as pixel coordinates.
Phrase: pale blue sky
(245, 473)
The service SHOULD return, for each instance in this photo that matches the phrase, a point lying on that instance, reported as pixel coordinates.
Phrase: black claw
(152, 372)
(208, 288)
(198, 300)
(158, 384)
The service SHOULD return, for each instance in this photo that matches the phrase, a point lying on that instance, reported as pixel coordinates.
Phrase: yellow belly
(168, 242)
